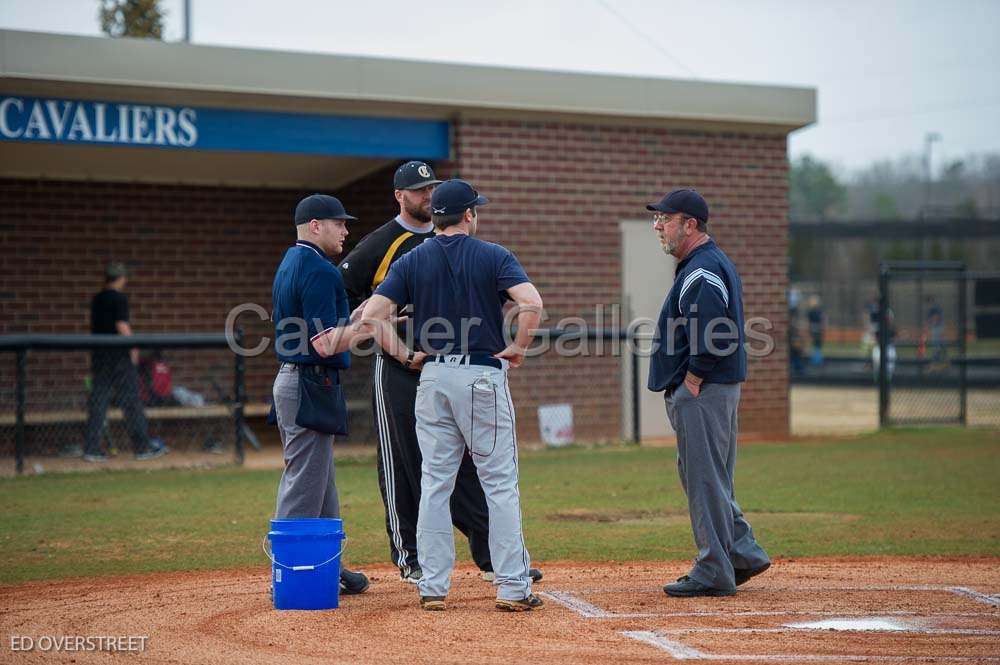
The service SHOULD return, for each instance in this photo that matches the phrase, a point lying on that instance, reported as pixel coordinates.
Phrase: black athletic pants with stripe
(394, 392)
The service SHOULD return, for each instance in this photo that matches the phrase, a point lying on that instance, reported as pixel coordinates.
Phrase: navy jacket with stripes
(700, 327)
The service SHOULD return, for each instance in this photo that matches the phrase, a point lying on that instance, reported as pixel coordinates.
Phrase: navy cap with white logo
(686, 201)
(414, 175)
(320, 206)
(455, 196)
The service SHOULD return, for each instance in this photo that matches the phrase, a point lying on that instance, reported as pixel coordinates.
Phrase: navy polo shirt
(308, 297)
(700, 328)
(455, 283)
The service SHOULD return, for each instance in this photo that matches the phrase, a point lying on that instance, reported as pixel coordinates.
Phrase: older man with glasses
(699, 362)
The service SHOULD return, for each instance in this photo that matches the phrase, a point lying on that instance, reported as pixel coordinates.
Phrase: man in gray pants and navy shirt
(699, 362)
(458, 285)
(311, 335)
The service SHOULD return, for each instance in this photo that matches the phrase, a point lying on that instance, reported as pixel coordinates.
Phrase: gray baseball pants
(706, 460)
(307, 487)
(462, 405)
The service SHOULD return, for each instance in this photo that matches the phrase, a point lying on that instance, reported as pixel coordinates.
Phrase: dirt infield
(913, 609)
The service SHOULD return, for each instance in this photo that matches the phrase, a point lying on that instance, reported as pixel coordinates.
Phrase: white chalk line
(674, 648)
(994, 601)
(578, 605)
(590, 611)
(681, 651)
(985, 632)
(987, 598)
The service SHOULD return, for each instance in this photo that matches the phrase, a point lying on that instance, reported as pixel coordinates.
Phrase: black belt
(309, 367)
(471, 359)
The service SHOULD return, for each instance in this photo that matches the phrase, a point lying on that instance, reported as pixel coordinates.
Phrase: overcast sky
(886, 71)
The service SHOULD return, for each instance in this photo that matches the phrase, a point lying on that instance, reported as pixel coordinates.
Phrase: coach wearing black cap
(699, 362)
(312, 339)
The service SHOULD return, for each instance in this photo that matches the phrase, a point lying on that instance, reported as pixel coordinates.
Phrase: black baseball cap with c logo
(414, 175)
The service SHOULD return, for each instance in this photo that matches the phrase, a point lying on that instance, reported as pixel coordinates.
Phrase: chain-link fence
(938, 354)
(71, 395)
(59, 392)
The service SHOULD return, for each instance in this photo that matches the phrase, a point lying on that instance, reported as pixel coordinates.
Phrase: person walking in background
(795, 334)
(814, 315)
(699, 362)
(869, 327)
(890, 348)
(113, 372)
(934, 334)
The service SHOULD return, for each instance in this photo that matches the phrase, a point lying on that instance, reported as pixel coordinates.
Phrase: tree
(814, 190)
(885, 206)
(132, 18)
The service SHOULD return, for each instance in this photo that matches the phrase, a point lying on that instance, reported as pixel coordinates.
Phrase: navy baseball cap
(414, 175)
(455, 196)
(686, 201)
(320, 206)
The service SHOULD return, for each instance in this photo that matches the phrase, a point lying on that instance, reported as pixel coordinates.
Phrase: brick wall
(558, 191)
(194, 253)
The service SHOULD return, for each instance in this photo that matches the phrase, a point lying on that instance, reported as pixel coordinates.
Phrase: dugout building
(186, 161)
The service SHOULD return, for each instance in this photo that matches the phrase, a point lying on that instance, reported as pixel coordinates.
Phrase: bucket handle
(263, 546)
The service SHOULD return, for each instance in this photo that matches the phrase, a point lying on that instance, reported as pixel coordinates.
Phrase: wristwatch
(409, 358)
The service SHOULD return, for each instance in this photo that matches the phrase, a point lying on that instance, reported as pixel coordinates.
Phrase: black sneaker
(352, 583)
(415, 576)
(743, 575)
(685, 587)
(532, 602)
(534, 573)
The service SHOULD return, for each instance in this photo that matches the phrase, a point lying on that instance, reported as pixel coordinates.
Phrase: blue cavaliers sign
(70, 121)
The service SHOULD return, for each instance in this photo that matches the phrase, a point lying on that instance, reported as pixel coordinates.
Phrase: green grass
(907, 492)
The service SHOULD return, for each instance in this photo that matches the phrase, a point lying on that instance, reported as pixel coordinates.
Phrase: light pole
(187, 21)
(929, 139)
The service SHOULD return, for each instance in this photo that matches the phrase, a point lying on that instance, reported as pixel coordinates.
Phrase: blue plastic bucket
(305, 562)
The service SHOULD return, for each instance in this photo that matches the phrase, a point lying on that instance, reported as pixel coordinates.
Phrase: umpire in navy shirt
(311, 335)
(458, 285)
(699, 363)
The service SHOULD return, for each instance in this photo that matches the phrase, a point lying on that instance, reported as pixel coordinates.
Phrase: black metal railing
(21, 346)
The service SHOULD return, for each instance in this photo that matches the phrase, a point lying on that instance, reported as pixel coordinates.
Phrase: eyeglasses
(664, 218)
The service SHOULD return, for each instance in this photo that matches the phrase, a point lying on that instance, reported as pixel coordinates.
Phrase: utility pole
(929, 139)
